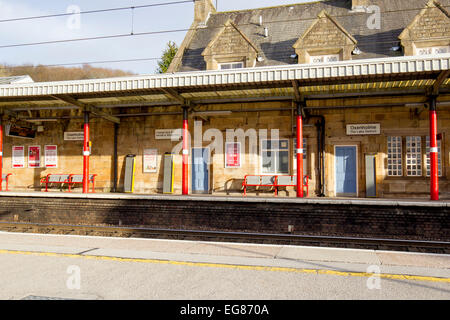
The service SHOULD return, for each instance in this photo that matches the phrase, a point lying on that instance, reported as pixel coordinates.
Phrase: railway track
(439, 247)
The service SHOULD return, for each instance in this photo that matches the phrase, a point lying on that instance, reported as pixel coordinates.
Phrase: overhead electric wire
(272, 56)
(95, 11)
(171, 31)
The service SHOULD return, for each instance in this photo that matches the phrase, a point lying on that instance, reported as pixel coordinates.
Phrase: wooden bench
(68, 179)
(5, 177)
(274, 181)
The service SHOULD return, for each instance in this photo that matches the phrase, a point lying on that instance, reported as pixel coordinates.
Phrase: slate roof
(16, 79)
(288, 22)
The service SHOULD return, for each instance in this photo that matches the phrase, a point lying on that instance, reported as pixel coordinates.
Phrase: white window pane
(395, 168)
(414, 156)
(275, 156)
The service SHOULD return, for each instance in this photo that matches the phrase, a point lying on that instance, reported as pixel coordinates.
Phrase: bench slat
(285, 180)
(253, 180)
(78, 178)
(267, 180)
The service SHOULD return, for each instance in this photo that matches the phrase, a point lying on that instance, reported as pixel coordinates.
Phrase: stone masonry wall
(384, 221)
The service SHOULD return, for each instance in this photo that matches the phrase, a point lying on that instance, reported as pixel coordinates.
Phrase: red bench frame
(6, 179)
(275, 184)
(68, 181)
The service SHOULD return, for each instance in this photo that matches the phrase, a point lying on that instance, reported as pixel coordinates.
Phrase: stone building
(365, 72)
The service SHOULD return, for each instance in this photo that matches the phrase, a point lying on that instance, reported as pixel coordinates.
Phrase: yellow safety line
(238, 267)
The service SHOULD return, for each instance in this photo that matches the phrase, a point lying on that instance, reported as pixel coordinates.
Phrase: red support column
(434, 180)
(185, 178)
(299, 152)
(86, 154)
(1, 154)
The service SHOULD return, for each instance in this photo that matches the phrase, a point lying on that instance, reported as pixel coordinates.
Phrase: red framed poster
(34, 156)
(51, 156)
(18, 157)
(232, 155)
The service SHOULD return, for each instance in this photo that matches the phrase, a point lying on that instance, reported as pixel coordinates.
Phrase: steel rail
(249, 236)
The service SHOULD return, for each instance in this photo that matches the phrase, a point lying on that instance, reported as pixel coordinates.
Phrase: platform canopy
(411, 78)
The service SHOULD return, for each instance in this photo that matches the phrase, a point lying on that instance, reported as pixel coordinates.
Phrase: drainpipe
(320, 125)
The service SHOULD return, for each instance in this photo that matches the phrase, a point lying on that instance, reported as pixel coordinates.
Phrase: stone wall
(338, 219)
(138, 133)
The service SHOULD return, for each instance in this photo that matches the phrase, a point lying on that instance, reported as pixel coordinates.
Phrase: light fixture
(293, 56)
(357, 51)
(260, 59)
(396, 48)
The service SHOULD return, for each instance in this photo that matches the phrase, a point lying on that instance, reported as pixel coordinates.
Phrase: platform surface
(118, 268)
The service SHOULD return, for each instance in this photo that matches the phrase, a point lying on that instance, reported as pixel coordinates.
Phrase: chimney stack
(202, 10)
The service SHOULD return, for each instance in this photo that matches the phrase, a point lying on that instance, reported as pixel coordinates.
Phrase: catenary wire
(174, 31)
(187, 58)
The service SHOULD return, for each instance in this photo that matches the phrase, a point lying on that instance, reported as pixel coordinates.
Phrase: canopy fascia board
(350, 70)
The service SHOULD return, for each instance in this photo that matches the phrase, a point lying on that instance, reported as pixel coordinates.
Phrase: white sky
(171, 17)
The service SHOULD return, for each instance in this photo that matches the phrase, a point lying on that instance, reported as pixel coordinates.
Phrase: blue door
(346, 184)
(200, 170)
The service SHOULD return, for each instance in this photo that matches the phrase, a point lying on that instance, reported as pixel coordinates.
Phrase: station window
(414, 156)
(275, 156)
(439, 158)
(231, 65)
(395, 168)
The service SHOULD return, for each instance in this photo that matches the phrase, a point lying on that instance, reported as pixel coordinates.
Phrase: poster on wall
(18, 157)
(233, 155)
(150, 160)
(51, 156)
(34, 157)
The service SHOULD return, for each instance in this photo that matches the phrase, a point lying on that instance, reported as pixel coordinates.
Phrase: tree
(167, 57)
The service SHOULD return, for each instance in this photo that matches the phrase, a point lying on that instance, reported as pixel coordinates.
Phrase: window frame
(397, 170)
(231, 64)
(424, 158)
(413, 153)
(276, 158)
